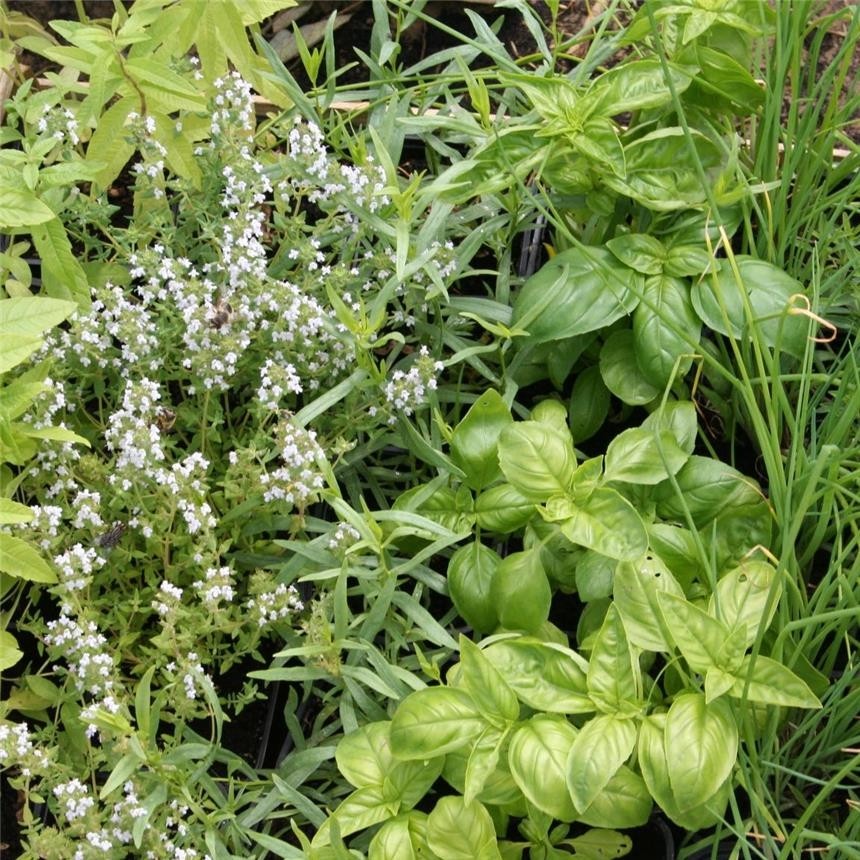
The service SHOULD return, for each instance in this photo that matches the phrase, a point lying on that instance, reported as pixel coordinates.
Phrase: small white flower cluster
(234, 107)
(133, 435)
(86, 506)
(269, 607)
(186, 481)
(406, 391)
(54, 463)
(175, 836)
(276, 381)
(50, 401)
(90, 666)
(74, 799)
(46, 523)
(169, 600)
(192, 674)
(216, 585)
(18, 750)
(59, 123)
(343, 537)
(153, 153)
(216, 325)
(304, 334)
(298, 478)
(77, 566)
(312, 165)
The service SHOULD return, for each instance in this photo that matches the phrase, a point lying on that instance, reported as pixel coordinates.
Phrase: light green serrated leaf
(20, 207)
(22, 560)
(10, 654)
(14, 512)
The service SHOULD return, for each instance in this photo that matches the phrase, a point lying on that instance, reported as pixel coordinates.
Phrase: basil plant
(528, 735)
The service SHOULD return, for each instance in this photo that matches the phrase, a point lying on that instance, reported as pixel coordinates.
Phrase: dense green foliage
(522, 549)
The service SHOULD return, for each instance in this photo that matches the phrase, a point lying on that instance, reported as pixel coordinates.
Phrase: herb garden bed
(451, 455)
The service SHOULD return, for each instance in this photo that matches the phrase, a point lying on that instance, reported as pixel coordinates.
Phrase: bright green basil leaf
(643, 456)
(482, 763)
(444, 506)
(599, 141)
(699, 637)
(741, 596)
(537, 756)
(640, 251)
(401, 838)
(722, 80)
(364, 756)
(538, 460)
(600, 844)
(545, 677)
(760, 303)
(558, 555)
(498, 788)
(553, 413)
(651, 748)
(363, 808)
(470, 573)
(772, 684)
(579, 290)
(486, 685)
(731, 655)
(613, 678)
(679, 418)
(621, 371)
(460, 831)
(665, 328)
(635, 592)
(503, 509)
(594, 576)
(717, 683)
(563, 355)
(676, 546)
(608, 524)
(708, 487)
(635, 86)
(587, 478)
(521, 592)
(662, 172)
(603, 744)
(475, 440)
(688, 261)
(737, 530)
(434, 721)
(408, 781)
(701, 743)
(624, 802)
(589, 404)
